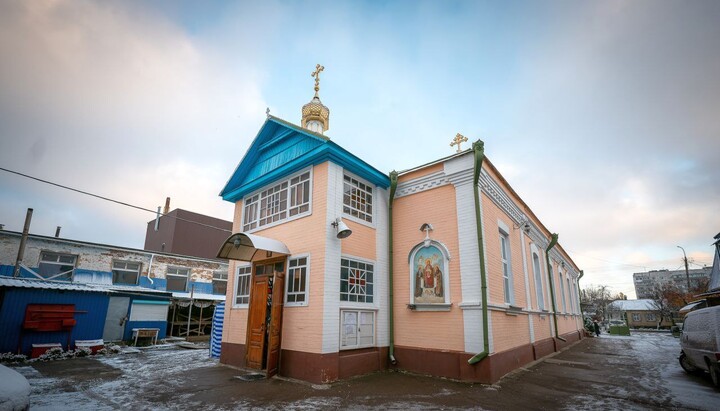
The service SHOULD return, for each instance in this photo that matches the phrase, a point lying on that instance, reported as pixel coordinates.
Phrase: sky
(601, 115)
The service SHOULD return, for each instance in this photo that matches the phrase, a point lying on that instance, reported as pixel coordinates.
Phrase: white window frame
(373, 282)
(252, 203)
(372, 213)
(537, 277)
(650, 317)
(58, 255)
(636, 317)
(222, 279)
(288, 281)
(506, 264)
(168, 275)
(126, 270)
(562, 290)
(360, 328)
(247, 274)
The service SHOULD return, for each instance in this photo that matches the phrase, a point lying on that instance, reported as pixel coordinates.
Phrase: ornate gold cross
(459, 139)
(316, 74)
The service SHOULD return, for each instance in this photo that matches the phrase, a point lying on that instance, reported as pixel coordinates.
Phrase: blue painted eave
(276, 132)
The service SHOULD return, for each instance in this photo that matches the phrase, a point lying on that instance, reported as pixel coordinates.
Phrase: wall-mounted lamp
(343, 231)
(524, 225)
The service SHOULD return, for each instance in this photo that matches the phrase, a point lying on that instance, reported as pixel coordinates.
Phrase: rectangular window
(650, 317)
(177, 279)
(286, 199)
(219, 282)
(562, 291)
(242, 285)
(357, 329)
(356, 281)
(507, 273)
(636, 317)
(125, 272)
(357, 199)
(55, 266)
(297, 282)
(571, 295)
(538, 282)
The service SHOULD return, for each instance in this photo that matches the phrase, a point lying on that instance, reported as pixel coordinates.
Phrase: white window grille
(538, 282)
(357, 199)
(297, 278)
(507, 272)
(356, 281)
(562, 290)
(289, 198)
(219, 282)
(242, 285)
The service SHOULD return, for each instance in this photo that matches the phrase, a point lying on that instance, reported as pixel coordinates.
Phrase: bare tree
(594, 300)
(662, 302)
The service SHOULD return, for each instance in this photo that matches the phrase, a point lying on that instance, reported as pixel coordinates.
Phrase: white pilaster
(331, 283)
(380, 214)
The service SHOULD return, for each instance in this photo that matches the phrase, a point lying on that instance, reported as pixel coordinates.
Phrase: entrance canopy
(245, 247)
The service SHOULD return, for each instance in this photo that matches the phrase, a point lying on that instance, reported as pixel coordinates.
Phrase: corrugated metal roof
(130, 288)
(50, 285)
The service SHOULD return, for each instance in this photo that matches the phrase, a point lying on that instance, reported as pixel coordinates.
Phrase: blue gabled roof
(280, 149)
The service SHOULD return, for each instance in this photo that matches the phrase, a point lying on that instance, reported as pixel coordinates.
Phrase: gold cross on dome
(316, 74)
(459, 139)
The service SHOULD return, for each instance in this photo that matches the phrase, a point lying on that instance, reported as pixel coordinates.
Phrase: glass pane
(70, 259)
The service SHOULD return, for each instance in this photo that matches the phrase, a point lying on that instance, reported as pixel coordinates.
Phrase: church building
(338, 269)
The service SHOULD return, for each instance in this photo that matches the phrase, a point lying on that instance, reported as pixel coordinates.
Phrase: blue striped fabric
(216, 334)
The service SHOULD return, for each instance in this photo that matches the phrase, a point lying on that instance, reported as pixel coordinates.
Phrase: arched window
(429, 273)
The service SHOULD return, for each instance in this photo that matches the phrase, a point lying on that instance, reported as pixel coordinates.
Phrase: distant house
(139, 288)
(637, 313)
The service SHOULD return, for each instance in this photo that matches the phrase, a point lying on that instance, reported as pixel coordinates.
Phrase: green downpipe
(393, 187)
(553, 242)
(479, 153)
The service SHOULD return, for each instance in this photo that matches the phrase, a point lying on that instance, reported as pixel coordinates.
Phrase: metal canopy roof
(244, 247)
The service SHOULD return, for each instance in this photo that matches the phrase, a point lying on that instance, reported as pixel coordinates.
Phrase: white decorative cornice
(492, 189)
(420, 184)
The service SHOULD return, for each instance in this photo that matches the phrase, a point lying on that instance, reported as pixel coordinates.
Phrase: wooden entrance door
(276, 312)
(256, 321)
(265, 316)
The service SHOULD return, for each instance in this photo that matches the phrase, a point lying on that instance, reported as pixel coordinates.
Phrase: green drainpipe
(479, 153)
(553, 242)
(393, 187)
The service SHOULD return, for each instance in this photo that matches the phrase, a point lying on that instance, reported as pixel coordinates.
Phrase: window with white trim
(357, 329)
(125, 272)
(650, 317)
(356, 281)
(357, 199)
(562, 291)
(297, 278)
(538, 281)
(286, 199)
(242, 285)
(636, 317)
(506, 270)
(219, 282)
(56, 266)
(177, 279)
(571, 295)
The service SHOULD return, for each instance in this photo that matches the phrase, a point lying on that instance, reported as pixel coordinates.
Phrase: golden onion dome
(316, 116)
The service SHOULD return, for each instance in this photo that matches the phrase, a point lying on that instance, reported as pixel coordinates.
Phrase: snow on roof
(131, 288)
(634, 305)
(50, 285)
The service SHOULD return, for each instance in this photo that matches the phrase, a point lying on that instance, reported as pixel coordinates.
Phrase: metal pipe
(23, 240)
(553, 242)
(687, 272)
(391, 325)
(479, 153)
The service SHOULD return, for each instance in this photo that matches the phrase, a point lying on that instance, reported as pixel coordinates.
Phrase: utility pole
(687, 273)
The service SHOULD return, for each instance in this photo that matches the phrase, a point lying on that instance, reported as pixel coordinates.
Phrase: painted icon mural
(428, 267)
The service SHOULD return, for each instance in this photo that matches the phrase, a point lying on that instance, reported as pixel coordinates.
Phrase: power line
(110, 199)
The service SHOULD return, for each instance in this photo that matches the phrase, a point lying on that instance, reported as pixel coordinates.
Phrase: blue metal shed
(90, 303)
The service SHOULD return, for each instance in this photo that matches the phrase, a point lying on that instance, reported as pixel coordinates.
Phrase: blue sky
(602, 115)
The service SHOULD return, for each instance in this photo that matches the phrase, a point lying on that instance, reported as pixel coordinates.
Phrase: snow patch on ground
(14, 390)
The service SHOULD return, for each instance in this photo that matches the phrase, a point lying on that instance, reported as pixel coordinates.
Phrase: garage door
(147, 310)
